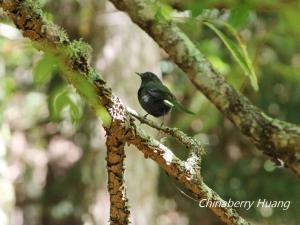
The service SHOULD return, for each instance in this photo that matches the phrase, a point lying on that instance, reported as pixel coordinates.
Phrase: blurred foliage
(238, 51)
(44, 68)
(38, 110)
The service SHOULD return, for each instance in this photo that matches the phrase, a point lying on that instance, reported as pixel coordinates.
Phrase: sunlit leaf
(163, 11)
(43, 69)
(74, 110)
(238, 51)
(102, 113)
(60, 100)
(9, 85)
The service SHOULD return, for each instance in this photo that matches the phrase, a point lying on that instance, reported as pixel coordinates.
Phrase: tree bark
(119, 212)
(119, 30)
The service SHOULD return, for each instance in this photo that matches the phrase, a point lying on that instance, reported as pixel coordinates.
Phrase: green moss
(78, 48)
(62, 34)
(93, 75)
(31, 6)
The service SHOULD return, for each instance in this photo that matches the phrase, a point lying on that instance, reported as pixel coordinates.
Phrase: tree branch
(119, 212)
(77, 71)
(194, 146)
(278, 139)
(183, 172)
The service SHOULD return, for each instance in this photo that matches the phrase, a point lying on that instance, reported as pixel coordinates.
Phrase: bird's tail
(180, 107)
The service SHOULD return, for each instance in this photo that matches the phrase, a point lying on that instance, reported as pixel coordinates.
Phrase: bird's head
(148, 76)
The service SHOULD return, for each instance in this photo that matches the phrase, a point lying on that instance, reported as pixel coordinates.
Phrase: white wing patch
(168, 103)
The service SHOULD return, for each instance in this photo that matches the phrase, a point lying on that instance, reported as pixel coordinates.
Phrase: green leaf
(75, 111)
(57, 102)
(196, 8)
(163, 12)
(238, 51)
(43, 69)
(239, 16)
(60, 100)
(9, 85)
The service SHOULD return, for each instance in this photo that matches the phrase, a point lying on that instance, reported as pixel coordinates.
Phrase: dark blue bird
(155, 98)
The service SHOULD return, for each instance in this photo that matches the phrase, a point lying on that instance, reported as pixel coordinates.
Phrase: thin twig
(189, 142)
(194, 146)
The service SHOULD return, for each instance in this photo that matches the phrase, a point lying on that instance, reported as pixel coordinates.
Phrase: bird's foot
(143, 118)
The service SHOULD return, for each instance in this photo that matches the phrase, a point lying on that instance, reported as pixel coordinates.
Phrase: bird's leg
(160, 133)
(162, 123)
(143, 118)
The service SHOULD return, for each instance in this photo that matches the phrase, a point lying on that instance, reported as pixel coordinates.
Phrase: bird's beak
(138, 73)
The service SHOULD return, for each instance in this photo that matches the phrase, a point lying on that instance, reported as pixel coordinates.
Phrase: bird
(155, 98)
